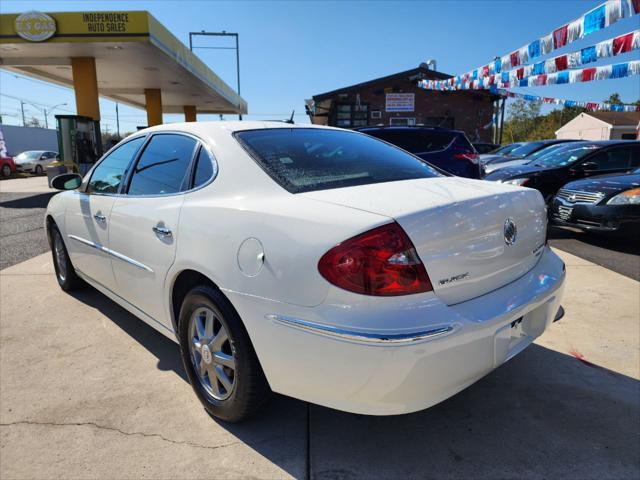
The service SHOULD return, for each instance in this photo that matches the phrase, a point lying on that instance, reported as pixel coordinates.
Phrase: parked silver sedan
(34, 160)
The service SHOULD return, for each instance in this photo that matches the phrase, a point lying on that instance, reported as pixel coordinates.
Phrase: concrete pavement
(89, 391)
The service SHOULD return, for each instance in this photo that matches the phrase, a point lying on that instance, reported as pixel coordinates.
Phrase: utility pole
(236, 48)
(46, 120)
(22, 109)
(117, 121)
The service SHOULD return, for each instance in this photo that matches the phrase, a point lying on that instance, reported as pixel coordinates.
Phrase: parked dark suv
(449, 150)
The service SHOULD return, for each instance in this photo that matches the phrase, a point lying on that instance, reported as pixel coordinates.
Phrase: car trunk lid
(459, 228)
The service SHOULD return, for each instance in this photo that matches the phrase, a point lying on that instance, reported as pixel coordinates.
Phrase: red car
(7, 166)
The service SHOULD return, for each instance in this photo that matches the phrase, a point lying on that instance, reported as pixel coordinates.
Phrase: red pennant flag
(515, 59)
(542, 79)
(592, 106)
(561, 63)
(588, 74)
(560, 37)
(622, 43)
(520, 73)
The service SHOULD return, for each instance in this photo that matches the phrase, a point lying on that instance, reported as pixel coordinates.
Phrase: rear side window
(163, 165)
(305, 159)
(615, 158)
(204, 168)
(415, 141)
(109, 173)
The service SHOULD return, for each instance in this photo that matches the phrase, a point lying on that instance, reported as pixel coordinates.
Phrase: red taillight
(470, 157)
(382, 261)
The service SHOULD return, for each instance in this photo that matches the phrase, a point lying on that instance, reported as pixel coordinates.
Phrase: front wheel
(65, 273)
(218, 356)
(6, 170)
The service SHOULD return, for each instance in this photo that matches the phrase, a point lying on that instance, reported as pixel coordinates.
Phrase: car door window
(204, 168)
(619, 158)
(109, 173)
(163, 165)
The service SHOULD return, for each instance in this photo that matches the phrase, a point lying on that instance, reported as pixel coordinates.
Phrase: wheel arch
(184, 281)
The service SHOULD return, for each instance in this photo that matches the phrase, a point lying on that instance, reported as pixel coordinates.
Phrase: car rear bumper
(429, 352)
(598, 218)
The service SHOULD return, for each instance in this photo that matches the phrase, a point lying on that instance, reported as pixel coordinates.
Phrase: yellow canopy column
(85, 86)
(189, 113)
(153, 102)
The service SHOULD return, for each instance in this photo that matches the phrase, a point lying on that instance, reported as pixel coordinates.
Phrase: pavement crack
(122, 432)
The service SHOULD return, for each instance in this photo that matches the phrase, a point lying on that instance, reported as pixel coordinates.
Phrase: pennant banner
(594, 20)
(604, 72)
(593, 106)
(605, 49)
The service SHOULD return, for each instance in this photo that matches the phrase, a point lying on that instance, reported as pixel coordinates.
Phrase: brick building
(397, 100)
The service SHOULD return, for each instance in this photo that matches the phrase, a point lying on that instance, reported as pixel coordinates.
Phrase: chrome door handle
(162, 231)
(99, 217)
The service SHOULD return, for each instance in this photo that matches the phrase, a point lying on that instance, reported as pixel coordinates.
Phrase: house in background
(397, 100)
(601, 126)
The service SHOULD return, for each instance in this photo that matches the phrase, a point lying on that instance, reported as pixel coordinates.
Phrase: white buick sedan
(315, 262)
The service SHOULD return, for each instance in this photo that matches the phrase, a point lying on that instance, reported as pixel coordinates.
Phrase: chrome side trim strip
(363, 337)
(113, 253)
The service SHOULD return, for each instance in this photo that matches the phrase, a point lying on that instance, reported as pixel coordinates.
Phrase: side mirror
(66, 181)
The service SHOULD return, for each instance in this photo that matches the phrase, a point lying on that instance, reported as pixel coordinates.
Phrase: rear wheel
(218, 356)
(6, 170)
(65, 273)
(38, 170)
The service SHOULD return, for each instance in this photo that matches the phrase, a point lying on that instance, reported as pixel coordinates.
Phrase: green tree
(521, 119)
(614, 99)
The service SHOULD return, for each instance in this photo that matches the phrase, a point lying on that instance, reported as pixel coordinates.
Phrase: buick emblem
(510, 231)
(572, 198)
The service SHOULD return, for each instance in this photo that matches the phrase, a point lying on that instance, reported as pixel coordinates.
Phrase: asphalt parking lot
(89, 391)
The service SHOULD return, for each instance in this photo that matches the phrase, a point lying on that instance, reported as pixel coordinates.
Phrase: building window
(352, 115)
(402, 121)
(376, 114)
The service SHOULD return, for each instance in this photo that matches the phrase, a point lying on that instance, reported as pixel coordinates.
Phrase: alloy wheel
(60, 256)
(212, 356)
(6, 170)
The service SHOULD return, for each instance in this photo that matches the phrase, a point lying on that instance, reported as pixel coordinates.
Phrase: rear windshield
(415, 141)
(526, 149)
(507, 148)
(565, 156)
(309, 159)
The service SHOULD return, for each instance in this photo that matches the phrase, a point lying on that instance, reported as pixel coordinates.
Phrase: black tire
(65, 273)
(38, 170)
(250, 388)
(6, 171)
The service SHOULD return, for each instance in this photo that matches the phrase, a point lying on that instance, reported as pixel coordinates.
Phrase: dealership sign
(400, 102)
(35, 26)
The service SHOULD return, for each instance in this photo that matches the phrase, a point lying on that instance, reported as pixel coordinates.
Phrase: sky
(292, 50)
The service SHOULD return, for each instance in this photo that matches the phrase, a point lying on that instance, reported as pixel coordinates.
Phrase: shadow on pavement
(39, 200)
(544, 414)
(623, 244)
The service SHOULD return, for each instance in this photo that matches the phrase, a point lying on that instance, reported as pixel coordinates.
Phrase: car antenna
(290, 120)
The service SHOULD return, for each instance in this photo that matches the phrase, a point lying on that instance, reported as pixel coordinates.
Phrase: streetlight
(46, 120)
(43, 110)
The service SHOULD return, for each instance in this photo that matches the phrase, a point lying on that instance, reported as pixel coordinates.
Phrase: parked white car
(34, 161)
(315, 262)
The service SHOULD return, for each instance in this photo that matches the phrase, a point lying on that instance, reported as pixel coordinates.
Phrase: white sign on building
(400, 102)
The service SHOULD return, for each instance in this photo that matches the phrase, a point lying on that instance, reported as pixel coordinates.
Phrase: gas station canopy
(136, 61)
